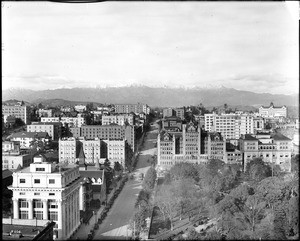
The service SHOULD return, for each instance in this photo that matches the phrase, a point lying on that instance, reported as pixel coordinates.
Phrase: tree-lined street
(115, 224)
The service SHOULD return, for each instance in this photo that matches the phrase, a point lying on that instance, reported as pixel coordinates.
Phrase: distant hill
(14, 102)
(155, 96)
(60, 102)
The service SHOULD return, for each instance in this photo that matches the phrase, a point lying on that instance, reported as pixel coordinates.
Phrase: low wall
(29, 222)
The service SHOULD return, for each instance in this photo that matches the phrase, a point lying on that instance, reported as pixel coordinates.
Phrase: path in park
(115, 224)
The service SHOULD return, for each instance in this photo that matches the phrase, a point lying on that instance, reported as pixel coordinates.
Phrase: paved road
(115, 224)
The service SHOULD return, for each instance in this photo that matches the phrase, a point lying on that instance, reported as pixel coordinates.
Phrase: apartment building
(112, 131)
(80, 108)
(172, 123)
(77, 121)
(168, 112)
(13, 157)
(52, 128)
(19, 111)
(118, 119)
(9, 120)
(135, 108)
(50, 119)
(273, 111)
(231, 126)
(180, 112)
(93, 151)
(46, 191)
(180, 146)
(45, 112)
(272, 148)
(117, 151)
(28, 139)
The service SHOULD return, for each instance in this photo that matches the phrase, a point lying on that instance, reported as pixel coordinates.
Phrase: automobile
(141, 176)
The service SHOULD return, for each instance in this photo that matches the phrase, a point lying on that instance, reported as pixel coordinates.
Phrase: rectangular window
(37, 181)
(51, 194)
(39, 169)
(37, 204)
(23, 214)
(51, 181)
(36, 194)
(22, 193)
(22, 180)
(53, 215)
(52, 204)
(23, 203)
(38, 215)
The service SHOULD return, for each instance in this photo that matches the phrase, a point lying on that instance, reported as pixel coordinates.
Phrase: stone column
(16, 208)
(45, 209)
(30, 208)
(59, 214)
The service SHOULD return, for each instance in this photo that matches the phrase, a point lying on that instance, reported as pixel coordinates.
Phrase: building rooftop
(46, 123)
(249, 137)
(92, 173)
(25, 134)
(272, 105)
(280, 137)
(6, 173)
(28, 232)
(60, 168)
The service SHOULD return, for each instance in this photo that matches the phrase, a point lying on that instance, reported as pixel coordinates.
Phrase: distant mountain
(155, 96)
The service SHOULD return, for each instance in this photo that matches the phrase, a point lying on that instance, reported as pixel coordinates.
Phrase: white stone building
(44, 192)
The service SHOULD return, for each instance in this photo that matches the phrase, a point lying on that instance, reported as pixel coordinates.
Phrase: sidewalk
(84, 229)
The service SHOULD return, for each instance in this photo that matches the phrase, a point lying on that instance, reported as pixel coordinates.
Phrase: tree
(193, 235)
(215, 166)
(142, 199)
(272, 191)
(184, 193)
(117, 167)
(138, 222)
(19, 122)
(257, 170)
(40, 106)
(149, 179)
(225, 107)
(183, 170)
(166, 203)
(295, 164)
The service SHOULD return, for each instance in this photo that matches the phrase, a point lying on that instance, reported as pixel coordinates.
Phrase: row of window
(37, 181)
(39, 215)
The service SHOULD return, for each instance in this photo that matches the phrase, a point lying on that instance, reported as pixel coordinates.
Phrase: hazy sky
(243, 45)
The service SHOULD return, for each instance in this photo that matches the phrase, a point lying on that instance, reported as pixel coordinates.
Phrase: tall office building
(231, 126)
(44, 192)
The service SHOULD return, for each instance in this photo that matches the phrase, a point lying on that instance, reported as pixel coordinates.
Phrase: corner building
(44, 192)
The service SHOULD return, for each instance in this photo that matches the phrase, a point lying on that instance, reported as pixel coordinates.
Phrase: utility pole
(133, 229)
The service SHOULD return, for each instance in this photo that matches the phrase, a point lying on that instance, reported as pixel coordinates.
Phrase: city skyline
(243, 45)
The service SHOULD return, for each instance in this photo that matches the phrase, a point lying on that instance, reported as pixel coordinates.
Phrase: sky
(243, 45)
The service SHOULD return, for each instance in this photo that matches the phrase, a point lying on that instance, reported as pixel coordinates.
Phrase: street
(115, 224)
